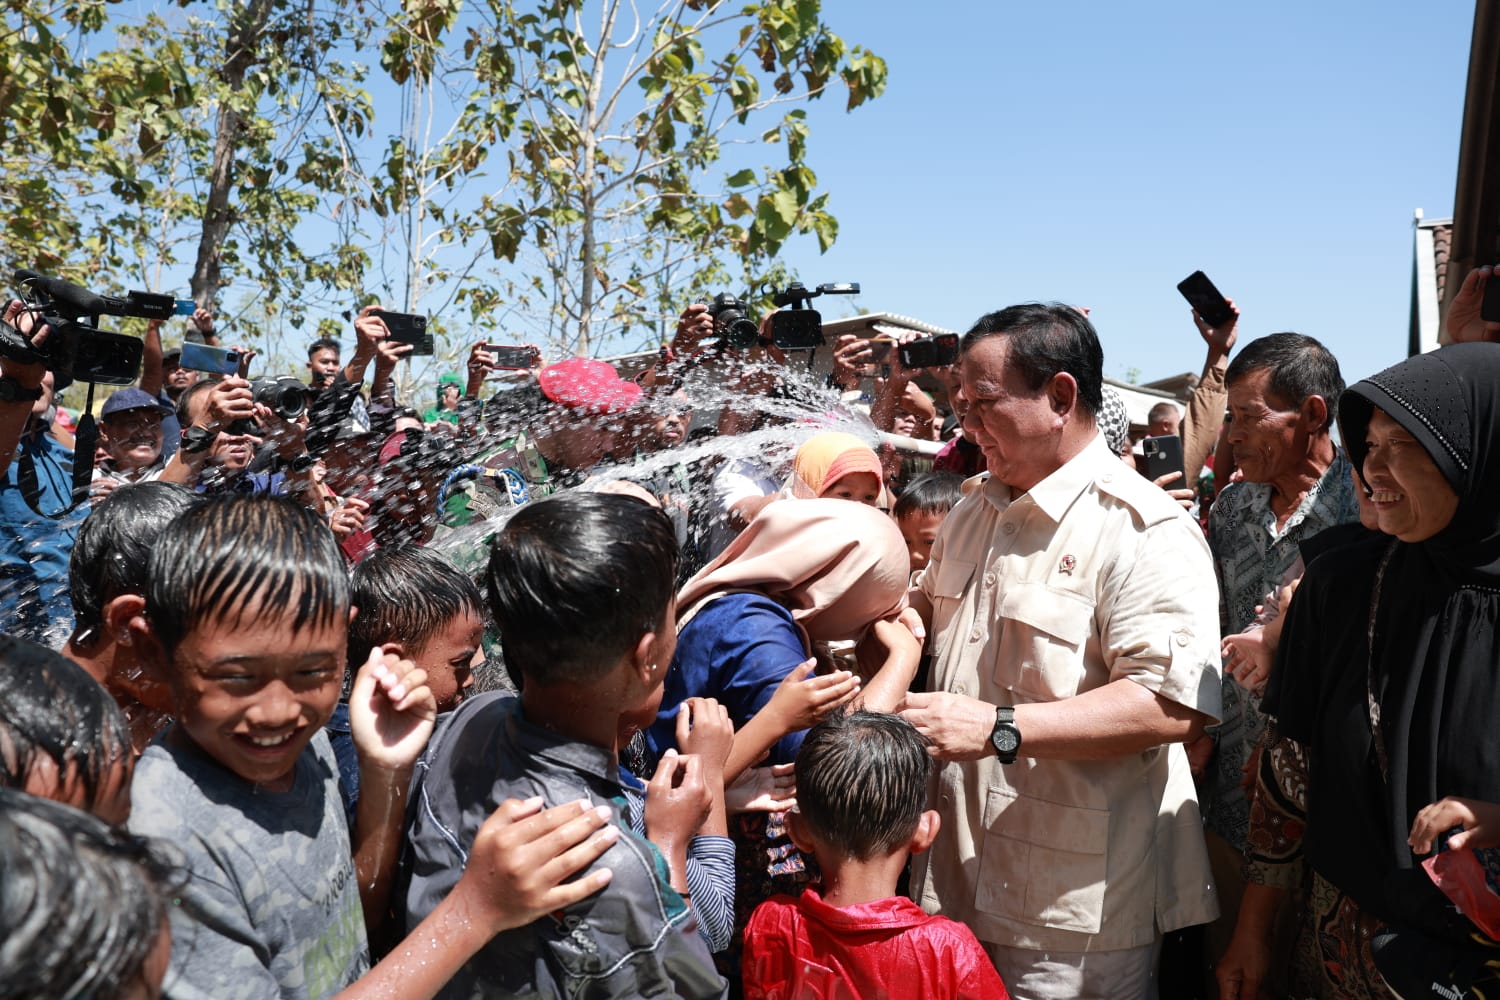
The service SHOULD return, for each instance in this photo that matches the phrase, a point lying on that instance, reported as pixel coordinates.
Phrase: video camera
(799, 328)
(75, 348)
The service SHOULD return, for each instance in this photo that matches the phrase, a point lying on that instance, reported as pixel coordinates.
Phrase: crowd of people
(548, 691)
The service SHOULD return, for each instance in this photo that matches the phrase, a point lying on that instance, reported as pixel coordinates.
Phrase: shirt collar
(1056, 493)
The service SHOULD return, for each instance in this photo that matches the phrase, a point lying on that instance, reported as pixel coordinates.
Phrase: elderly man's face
(132, 438)
(1012, 424)
(1263, 429)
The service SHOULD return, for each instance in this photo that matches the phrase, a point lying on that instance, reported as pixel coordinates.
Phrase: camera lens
(286, 396)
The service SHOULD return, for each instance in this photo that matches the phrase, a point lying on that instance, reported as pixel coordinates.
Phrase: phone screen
(513, 358)
(1205, 298)
(107, 358)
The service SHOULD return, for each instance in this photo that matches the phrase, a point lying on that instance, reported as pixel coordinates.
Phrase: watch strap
(196, 439)
(12, 391)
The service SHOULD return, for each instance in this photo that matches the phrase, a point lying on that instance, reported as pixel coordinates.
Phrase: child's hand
(522, 858)
(1248, 658)
(704, 730)
(799, 703)
(1480, 822)
(763, 789)
(391, 712)
(677, 801)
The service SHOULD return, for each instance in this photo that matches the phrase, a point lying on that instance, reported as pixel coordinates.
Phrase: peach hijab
(836, 565)
(824, 459)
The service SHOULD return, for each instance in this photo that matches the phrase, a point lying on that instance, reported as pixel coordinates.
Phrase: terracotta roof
(1442, 238)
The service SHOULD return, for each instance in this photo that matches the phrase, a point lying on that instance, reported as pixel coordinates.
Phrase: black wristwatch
(12, 391)
(196, 439)
(1005, 737)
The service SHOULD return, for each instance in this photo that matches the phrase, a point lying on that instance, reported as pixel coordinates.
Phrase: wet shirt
(271, 908)
(35, 548)
(806, 949)
(1093, 576)
(1250, 557)
(635, 937)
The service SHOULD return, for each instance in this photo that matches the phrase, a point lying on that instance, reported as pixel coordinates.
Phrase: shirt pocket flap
(1059, 613)
(952, 578)
(1043, 862)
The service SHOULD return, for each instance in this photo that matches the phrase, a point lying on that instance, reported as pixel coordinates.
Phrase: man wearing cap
(130, 426)
(552, 433)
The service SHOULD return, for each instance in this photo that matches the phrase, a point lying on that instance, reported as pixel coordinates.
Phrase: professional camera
(732, 323)
(75, 347)
(285, 395)
(800, 328)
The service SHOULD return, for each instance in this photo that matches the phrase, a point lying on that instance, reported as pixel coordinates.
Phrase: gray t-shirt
(271, 907)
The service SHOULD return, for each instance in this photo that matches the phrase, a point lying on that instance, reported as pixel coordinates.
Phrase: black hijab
(1435, 664)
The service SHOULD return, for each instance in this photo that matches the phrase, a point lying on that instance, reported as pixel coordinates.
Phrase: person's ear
(353, 614)
(1062, 393)
(148, 647)
(796, 829)
(119, 612)
(1315, 414)
(927, 830)
(643, 661)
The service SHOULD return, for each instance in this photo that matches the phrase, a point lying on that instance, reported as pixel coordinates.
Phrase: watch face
(1006, 739)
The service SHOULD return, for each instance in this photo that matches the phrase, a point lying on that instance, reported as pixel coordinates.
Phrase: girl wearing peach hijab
(836, 465)
(804, 572)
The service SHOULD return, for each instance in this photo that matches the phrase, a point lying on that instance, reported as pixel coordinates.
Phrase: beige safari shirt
(1093, 575)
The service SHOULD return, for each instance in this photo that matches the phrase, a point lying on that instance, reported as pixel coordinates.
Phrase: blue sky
(1097, 153)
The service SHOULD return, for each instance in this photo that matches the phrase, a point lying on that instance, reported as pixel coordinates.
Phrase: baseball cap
(171, 354)
(588, 385)
(132, 399)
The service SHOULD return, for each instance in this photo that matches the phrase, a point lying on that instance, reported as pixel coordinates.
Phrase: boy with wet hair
(581, 589)
(861, 810)
(246, 622)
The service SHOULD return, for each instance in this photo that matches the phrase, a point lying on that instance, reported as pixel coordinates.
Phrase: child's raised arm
(391, 715)
(517, 873)
(798, 703)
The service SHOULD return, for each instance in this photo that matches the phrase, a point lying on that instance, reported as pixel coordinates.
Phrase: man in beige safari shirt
(1074, 623)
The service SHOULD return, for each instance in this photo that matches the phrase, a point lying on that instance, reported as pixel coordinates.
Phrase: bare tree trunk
(239, 55)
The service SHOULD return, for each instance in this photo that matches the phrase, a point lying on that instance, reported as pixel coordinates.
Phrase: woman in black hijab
(1387, 682)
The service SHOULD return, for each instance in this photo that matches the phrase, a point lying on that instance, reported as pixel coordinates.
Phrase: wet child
(921, 510)
(580, 587)
(839, 466)
(861, 791)
(246, 621)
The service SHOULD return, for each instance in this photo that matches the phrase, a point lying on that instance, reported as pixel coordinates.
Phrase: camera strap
(85, 441)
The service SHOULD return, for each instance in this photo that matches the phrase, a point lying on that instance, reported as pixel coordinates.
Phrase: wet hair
(323, 344)
(50, 708)
(1047, 338)
(576, 579)
(1300, 367)
(82, 903)
(235, 554)
(114, 546)
(406, 594)
(862, 782)
(934, 493)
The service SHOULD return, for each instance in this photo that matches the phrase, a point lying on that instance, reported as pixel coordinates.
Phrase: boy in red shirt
(861, 788)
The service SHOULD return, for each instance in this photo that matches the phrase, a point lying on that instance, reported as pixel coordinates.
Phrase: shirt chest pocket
(1043, 862)
(1044, 633)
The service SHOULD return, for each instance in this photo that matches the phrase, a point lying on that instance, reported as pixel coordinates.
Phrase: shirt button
(1108, 477)
(1010, 529)
(974, 636)
(989, 579)
(1182, 638)
(960, 689)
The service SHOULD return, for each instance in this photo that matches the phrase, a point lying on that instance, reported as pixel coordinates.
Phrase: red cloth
(806, 948)
(961, 456)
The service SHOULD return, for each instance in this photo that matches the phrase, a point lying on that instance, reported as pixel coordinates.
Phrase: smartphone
(930, 352)
(1489, 309)
(513, 358)
(202, 358)
(797, 329)
(184, 307)
(408, 328)
(1204, 297)
(1164, 455)
(107, 358)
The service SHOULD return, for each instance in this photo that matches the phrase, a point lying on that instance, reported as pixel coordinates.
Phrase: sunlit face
(230, 452)
(132, 438)
(324, 364)
(252, 693)
(670, 428)
(1262, 429)
(919, 530)
(904, 424)
(1411, 498)
(450, 658)
(1010, 422)
(861, 487)
(179, 378)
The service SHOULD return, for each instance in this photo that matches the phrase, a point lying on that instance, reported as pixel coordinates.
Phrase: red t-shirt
(805, 948)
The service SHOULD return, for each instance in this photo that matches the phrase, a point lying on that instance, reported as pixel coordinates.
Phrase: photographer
(225, 426)
(38, 481)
